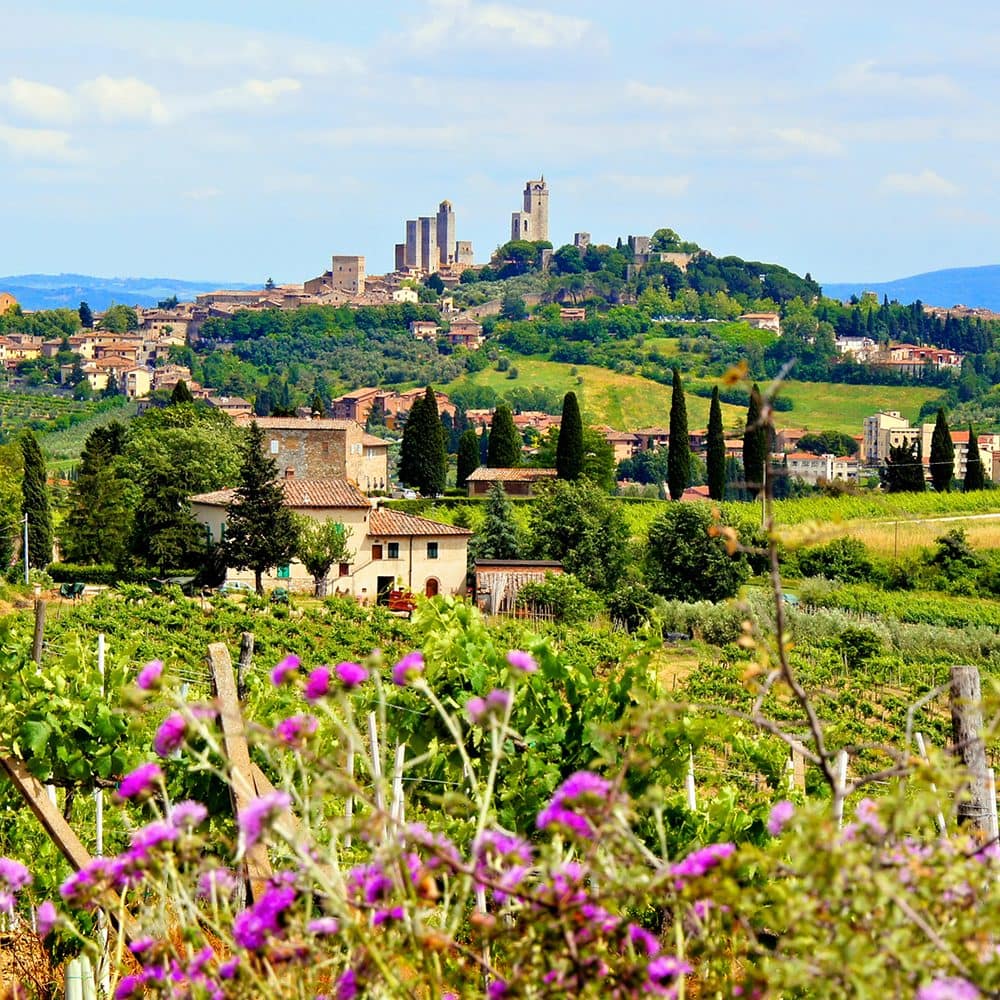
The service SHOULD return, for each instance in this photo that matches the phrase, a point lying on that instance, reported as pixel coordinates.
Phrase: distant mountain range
(976, 287)
(52, 291)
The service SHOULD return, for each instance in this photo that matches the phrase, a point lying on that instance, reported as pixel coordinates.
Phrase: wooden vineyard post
(966, 736)
(234, 737)
(39, 640)
(244, 664)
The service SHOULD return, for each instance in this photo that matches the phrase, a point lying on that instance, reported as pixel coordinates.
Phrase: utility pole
(26, 581)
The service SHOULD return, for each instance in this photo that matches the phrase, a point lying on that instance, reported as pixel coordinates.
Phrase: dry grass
(889, 538)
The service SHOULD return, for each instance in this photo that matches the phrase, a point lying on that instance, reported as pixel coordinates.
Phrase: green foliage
(679, 448)
(468, 457)
(120, 319)
(580, 526)
(942, 463)
(716, 453)
(631, 604)
(86, 316)
(423, 459)
(563, 596)
(35, 503)
(975, 477)
(321, 544)
(569, 447)
(260, 529)
(828, 443)
(181, 393)
(754, 444)
(903, 471)
(844, 559)
(498, 536)
(685, 561)
(504, 449)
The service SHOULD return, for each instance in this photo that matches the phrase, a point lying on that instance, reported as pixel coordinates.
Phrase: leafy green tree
(975, 478)
(504, 450)
(468, 457)
(434, 283)
(512, 307)
(685, 562)
(904, 471)
(828, 443)
(260, 529)
(164, 533)
(754, 445)
(11, 463)
(321, 545)
(942, 464)
(119, 319)
(35, 502)
(423, 459)
(679, 448)
(569, 448)
(498, 536)
(598, 459)
(181, 393)
(99, 523)
(567, 260)
(578, 524)
(86, 316)
(716, 454)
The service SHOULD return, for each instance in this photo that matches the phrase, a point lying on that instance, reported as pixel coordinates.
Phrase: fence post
(841, 765)
(922, 750)
(39, 640)
(244, 664)
(692, 799)
(966, 729)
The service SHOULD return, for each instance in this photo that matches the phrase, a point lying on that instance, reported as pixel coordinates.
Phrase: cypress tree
(497, 539)
(484, 445)
(716, 457)
(679, 448)
(181, 393)
(754, 445)
(35, 503)
(434, 448)
(942, 464)
(975, 477)
(468, 457)
(904, 470)
(409, 449)
(86, 316)
(164, 532)
(505, 443)
(260, 529)
(569, 446)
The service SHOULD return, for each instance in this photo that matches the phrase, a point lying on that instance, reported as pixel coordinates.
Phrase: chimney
(289, 473)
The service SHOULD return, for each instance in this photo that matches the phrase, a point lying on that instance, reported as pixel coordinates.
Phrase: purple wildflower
(475, 709)
(13, 874)
(948, 988)
(318, 684)
(149, 677)
(129, 986)
(294, 730)
(522, 661)
(351, 674)
(867, 814)
(497, 990)
(255, 925)
(323, 926)
(46, 918)
(219, 882)
(573, 800)
(499, 699)
(347, 985)
(229, 968)
(285, 669)
(781, 813)
(386, 916)
(409, 668)
(188, 814)
(665, 968)
(481, 710)
(259, 814)
(170, 736)
(143, 944)
(642, 940)
(698, 862)
(140, 782)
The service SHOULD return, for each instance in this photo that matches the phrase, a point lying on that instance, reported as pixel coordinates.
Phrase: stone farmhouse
(359, 403)
(516, 482)
(388, 550)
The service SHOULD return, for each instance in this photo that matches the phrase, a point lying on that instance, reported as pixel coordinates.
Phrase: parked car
(235, 587)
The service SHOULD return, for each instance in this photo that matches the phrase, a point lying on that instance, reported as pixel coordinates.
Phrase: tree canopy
(716, 454)
(35, 503)
(942, 458)
(504, 449)
(679, 447)
(569, 448)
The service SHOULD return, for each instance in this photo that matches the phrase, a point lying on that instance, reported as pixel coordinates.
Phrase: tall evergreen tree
(260, 529)
(86, 316)
(423, 460)
(181, 393)
(468, 457)
(716, 456)
(165, 534)
(754, 445)
(497, 539)
(569, 446)
(904, 469)
(505, 443)
(99, 522)
(942, 464)
(679, 447)
(35, 503)
(975, 478)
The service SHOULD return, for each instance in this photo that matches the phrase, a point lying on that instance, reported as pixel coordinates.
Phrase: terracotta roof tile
(388, 523)
(485, 475)
(301, 493)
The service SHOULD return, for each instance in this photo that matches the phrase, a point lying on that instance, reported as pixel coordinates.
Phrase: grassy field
(890, 538)
(628, 402)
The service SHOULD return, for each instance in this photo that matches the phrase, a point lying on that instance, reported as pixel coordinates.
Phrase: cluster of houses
(911, 360)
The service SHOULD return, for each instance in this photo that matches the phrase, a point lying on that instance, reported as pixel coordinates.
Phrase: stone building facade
(532, 222)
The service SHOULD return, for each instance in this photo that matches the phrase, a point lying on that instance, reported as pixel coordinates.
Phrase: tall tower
(532, 223)
(427, 237)
(446, 233)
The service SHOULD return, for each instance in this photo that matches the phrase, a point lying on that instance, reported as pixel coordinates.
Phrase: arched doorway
(431, 588)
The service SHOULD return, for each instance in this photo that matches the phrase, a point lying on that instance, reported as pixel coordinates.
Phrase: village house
(913, 359)
(499, 581)
(358, 404)
(7, 303)
(763, 321)
(787, 438)
(816, 468)
(515, 482)
(624, 444)
(235, 406)
(320, 448)
(653, 437)
(861, 349)
(424, 329)
(572, 314)
(465, 333)
(388, 550)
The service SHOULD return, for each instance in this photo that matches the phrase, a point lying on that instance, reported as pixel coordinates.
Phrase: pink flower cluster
(578, 804)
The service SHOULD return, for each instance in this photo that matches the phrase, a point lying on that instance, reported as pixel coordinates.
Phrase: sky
(245, 140)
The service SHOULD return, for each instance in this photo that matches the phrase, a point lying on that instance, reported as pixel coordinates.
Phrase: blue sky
(238, 141)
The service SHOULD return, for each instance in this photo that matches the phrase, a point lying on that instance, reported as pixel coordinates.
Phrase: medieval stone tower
(532, 223)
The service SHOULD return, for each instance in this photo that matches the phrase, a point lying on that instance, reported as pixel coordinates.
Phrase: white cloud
(664, 186)
(927, 183)
(38, 143)
(819, 143)
(125, 98)
(201, 194)
(868, 79)
(493, 25)
(645, 93)
(37, 100)
(248, 96)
